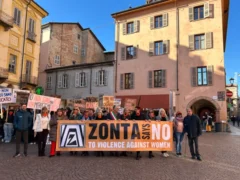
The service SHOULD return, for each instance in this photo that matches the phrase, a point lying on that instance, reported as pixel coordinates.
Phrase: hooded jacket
(22, 120)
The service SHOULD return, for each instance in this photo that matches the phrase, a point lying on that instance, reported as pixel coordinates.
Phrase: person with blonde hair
(41, 127)
(162, 116)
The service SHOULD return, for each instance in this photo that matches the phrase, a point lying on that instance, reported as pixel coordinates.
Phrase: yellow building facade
(19, 70)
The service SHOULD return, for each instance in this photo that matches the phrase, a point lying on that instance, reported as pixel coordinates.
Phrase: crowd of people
(24, 126)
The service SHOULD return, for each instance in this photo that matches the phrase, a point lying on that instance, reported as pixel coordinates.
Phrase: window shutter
(209, 40)
(77, 79)
(66, 81)
(30, 25)
(151, 49)
(105, 78)
(97, 78)
(15, 15)
(33, 25)
(210, 75)
(165, 19)
(190, 14)
(135, 52)
(163, 78)
(124, 28)
(18, 17)
(165, 47)
(123, 53)
(150, 79)
(211, 10)
(206, 10)
(136, 25)
(86, 79)
(152, 23)
(122, 81)
(132, 81)
(60, 80)
(194, 76)
(191, 42)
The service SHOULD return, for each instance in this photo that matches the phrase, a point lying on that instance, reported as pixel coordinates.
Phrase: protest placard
(92, 105)
(108, 101)
(7, 96)
(114, 136)
(117, 102)
(130, 104)
(38, 102)
(81, 103)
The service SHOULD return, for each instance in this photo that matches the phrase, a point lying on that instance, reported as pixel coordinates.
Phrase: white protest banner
(22, 96)
(7, 96)
(117, 102)
(38, 102)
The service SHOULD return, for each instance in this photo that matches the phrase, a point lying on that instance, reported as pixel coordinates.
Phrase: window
(158, 21)
(158, 78)
(202, 76)
(83, 52)
(28, 68)
(57, 60)
(102, 78)
(199, 42)
(198, 12)
(79, 36)
(17, 16)
(49, 82)
(130, 27)
(127, 78)
(131, 52)
(75, 49)
(158, 48)
(12, 64)
(65, 81)
(82, 79)
(31, 25)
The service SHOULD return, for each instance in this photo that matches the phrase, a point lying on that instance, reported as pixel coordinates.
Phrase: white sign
(215, 98)
(117, 102)
(6, 96)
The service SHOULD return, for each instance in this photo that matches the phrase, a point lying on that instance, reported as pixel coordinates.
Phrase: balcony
(5, 20)
(31, 36)
(31, 80)
(3, 73)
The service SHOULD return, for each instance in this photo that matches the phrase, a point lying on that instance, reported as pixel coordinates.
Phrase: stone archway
(203, 103)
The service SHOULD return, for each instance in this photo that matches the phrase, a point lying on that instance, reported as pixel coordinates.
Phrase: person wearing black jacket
(99, 117)
(138, 115)
(192, 126)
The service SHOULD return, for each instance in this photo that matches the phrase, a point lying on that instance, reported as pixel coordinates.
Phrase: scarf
(113, 116)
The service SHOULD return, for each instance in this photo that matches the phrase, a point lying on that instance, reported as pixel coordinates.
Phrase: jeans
(8, 131)
(179, 138)
(194, 141)
(19, 135)
(204, 125)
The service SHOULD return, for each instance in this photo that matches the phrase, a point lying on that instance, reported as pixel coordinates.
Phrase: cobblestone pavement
(220, 153)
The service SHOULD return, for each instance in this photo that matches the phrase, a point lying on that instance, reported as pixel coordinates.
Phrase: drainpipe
(116, 56)
(91, 80)
(56, 85)
(177, 44)
(24, 39)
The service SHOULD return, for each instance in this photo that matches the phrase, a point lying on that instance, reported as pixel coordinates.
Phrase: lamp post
(231, 81)
(24, 40)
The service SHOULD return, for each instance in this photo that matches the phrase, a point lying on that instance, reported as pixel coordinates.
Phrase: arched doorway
(202, 104)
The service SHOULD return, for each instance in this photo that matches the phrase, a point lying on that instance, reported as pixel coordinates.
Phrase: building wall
(75, 93)
(11, 41)
(187, 59)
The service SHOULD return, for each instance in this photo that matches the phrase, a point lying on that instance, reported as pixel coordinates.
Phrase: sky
(96, 14)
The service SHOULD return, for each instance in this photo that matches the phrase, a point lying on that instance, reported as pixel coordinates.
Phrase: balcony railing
(31, 36)
(29, 79)
(6, 20)
(3, 73)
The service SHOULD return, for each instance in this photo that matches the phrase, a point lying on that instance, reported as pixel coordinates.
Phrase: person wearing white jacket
(41, 127)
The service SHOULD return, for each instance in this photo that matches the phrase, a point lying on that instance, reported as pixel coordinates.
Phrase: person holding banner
(75, 116)
(2, 122)
(22, 122)
(151, 117)
(53, 130)
(41, 127)
(138, 115)
(8, 126)
(99, 116)
(162, 116)
(178, 128)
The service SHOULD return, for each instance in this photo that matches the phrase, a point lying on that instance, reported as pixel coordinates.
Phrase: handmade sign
(92, 105)
(117, 102)
(38, 102)
(7, 96)
(108, 101)
(114, 136)
(130, 104)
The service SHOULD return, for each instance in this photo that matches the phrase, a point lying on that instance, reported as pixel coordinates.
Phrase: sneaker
(193, 157)
(199, 159)
(165, 155)
(17, 155)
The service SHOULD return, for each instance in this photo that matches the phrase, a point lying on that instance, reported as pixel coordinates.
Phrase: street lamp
(231, 81)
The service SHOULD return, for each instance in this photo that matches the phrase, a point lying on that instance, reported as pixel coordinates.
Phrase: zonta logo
(72, 136)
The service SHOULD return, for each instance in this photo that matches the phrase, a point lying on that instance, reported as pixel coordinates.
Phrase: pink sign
(91, 105)
(38, 102)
